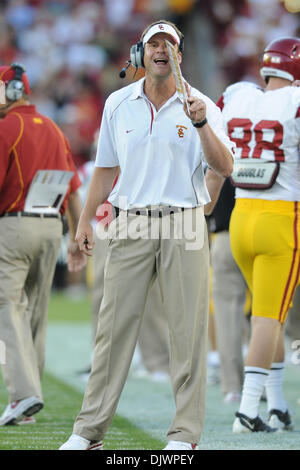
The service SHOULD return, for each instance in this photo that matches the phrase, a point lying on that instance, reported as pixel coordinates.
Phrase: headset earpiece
(181, 44)
(15, 88)
(137, 55)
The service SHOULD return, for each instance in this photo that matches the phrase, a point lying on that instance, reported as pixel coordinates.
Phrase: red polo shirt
(30, 142)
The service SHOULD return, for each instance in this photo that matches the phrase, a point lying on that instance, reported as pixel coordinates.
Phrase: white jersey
(265, 125)
(159, 153)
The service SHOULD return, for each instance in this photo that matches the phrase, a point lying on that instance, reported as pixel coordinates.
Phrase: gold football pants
(265, 237)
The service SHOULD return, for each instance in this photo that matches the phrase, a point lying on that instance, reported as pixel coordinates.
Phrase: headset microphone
(122, 74)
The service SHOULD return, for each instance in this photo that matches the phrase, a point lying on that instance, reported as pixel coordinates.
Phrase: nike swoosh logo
(249, 425)
(127, 132)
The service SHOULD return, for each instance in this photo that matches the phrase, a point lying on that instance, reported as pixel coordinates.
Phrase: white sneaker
(28, 420)
(76, 442)
(18, 410)
(179, 445)
(232, 397)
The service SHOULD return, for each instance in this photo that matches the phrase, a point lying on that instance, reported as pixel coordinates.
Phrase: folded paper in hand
(180, 86)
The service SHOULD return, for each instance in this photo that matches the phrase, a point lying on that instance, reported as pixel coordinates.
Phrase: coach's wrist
(200, 124)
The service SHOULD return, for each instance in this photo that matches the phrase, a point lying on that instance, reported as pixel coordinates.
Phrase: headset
(15, 88)
(137, 54)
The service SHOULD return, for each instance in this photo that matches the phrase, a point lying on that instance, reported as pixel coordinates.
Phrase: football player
(265, 223)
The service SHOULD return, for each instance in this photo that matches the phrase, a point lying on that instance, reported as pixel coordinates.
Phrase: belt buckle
(155, 213)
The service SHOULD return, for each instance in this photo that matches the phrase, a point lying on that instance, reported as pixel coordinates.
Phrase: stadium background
(73, 51)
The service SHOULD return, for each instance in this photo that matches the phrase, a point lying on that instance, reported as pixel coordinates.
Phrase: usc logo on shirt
(181, 131)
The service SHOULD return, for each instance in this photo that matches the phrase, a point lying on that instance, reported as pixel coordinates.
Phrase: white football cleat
(280, 420)
(179, 445)
(16, 411)
(76, 442)
(243, 423)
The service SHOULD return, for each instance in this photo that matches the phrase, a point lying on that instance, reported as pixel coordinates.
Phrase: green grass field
(63, 402)
(55, 421)
(63, 309)
(145, 409)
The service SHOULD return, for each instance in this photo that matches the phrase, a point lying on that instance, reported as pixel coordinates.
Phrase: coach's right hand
(84, 237)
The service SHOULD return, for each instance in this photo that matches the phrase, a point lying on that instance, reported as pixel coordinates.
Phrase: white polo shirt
(159, 152)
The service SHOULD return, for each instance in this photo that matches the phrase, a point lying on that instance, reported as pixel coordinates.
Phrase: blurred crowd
(244, 28)
(73, 50)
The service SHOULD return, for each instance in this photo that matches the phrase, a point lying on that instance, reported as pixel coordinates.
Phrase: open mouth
(161, 61)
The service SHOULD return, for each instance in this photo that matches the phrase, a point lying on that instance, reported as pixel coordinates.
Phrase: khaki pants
(131, 267)
(98, 262)
(228, 294)
(153, 338)
(28, 252)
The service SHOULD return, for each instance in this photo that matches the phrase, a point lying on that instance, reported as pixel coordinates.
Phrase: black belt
(159, 212)
(30, 214)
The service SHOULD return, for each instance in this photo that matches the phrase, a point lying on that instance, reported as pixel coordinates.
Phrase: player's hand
(197, 107)
(76, 259)
(84, 237)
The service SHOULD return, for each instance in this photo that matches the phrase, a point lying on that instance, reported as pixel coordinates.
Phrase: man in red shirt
(29, 241)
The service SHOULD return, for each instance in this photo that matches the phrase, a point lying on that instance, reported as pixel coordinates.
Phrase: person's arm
(214, 185)
(98, 192)
(6, 143)
(296, 83)
(217, 155)
(73, 213)
(76, 260)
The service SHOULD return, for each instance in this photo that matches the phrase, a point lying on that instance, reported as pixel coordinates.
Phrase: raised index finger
(188, 89)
